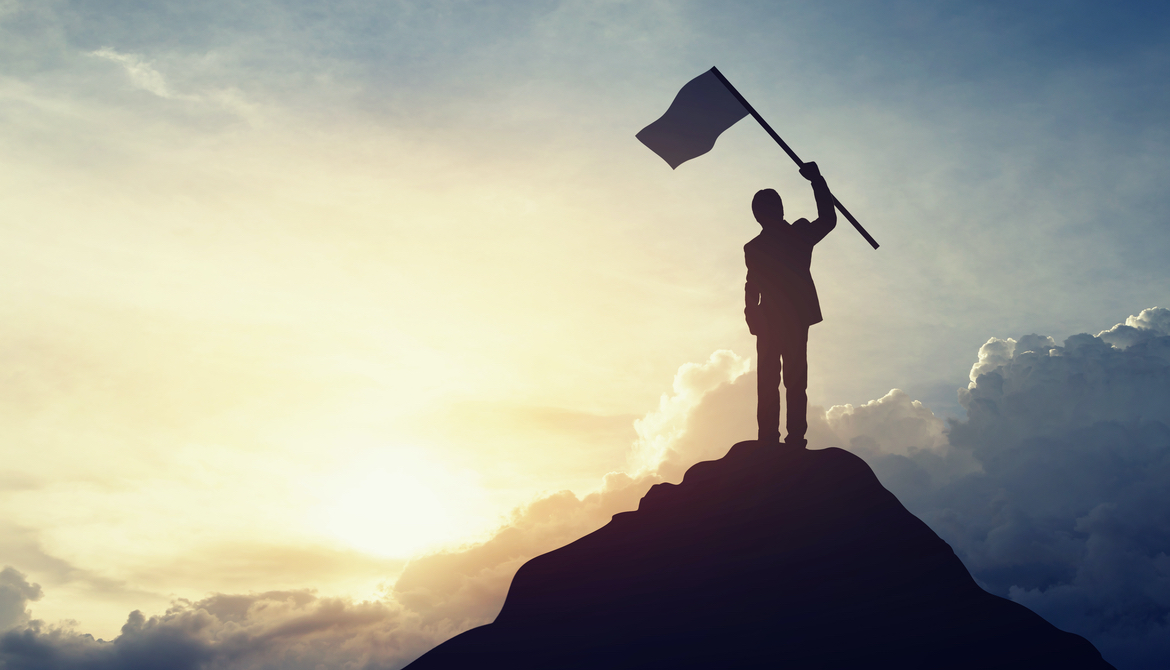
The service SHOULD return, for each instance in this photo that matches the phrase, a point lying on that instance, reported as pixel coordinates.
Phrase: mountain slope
(766, 557)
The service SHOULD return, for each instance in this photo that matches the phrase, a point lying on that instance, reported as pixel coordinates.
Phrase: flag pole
(788, 150)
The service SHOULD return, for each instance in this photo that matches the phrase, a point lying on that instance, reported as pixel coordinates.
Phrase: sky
(319, 320)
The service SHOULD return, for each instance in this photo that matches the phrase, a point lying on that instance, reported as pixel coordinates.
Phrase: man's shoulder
(754, 242)
(805, 232)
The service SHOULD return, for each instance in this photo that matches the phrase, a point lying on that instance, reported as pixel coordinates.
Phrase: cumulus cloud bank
(1055, 492)
(283, 629)
(15, 594)
(436, 597)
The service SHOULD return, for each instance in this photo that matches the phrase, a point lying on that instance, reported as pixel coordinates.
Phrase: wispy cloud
(142, 74)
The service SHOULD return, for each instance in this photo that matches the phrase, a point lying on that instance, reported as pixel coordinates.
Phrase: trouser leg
(796, 382)
(768, 388)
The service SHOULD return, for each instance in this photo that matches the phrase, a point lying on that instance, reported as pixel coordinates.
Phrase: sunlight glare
(395, 502)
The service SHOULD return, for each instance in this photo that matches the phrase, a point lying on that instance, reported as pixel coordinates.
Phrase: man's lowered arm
(751, 300)
(826, 208)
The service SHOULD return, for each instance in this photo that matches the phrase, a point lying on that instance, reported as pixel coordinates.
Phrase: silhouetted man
(782, 303)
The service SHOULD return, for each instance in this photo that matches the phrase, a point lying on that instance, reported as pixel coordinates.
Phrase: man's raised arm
(826, 209)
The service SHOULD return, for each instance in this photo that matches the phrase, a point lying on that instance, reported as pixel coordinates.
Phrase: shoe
(795, 443)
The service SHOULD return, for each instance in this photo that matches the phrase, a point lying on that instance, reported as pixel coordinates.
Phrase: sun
(396, 502)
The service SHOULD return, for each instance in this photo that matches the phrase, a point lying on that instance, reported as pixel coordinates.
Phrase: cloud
(901, 439)
(142, 74)
(23, 546)
(15, 593)
(1066, 507)
(437, 596)
(280, 629)
(209, 98)
(1055, 492)
(455, 590)
(1151, 323)
(893, 424)
(662, 433)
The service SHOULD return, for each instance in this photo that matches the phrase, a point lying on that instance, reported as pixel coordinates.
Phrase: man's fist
(753, 316)
(810, 171)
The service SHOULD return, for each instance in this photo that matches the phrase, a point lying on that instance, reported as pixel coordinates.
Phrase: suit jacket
(779, 261)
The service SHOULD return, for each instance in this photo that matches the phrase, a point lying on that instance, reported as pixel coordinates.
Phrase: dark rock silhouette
(768, 557)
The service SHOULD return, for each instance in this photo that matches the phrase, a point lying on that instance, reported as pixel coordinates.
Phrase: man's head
(768, 207)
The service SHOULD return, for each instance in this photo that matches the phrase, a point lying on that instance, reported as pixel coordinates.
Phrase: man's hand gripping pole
(791, 154)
